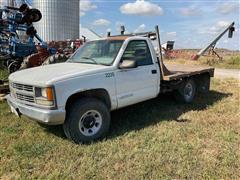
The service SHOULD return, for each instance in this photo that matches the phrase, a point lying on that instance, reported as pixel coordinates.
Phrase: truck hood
(47, 75)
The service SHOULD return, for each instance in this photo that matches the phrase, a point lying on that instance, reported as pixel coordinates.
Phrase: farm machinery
(209, 50)
(211, 46)
(20, 45)
(15, 24)
(18, 37)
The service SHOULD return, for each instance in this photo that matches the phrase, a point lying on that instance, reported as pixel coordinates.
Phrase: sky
(190, 23)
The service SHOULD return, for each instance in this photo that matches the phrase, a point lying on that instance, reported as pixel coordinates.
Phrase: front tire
(87, 120)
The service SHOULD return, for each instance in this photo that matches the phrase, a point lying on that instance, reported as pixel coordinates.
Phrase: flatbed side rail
(163, 69)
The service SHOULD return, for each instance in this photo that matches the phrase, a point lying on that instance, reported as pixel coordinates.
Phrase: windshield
(101, 52)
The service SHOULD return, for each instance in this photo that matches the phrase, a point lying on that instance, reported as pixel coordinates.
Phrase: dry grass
(229, 62)
(151, 140)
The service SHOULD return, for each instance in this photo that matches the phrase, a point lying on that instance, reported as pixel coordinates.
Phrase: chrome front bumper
(45, 116)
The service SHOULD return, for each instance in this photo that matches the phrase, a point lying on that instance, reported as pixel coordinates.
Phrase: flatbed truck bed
(179, 71)
(175, 76)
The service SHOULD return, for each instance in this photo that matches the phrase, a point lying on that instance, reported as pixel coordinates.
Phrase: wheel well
(203, 82)
(100, 94)
(200, 80)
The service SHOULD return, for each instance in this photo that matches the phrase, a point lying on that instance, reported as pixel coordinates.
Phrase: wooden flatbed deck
(178, 71)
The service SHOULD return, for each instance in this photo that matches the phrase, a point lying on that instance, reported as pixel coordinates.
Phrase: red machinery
(42, 57)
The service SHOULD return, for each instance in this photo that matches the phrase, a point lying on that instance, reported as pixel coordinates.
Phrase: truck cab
(101, 76)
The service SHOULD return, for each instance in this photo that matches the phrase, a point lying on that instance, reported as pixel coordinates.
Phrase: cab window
(138, 50)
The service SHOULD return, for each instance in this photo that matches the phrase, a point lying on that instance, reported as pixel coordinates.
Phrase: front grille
(25, 98)
(22, 92)
(22, 87)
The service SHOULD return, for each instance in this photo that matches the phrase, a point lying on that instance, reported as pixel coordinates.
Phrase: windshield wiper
(88, 58)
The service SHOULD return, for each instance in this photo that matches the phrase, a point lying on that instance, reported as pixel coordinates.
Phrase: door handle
(154, 71)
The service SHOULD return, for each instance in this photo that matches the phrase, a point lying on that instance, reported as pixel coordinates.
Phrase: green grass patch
(3, 73)
(10, 130)
(30, 149)
(3, 70)
(157, 139)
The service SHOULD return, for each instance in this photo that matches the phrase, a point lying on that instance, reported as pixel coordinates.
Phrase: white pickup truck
(102, 76)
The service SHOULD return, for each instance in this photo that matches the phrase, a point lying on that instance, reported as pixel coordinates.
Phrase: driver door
(137, 84)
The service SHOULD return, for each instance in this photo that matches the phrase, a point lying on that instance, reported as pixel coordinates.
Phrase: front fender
(65, 89)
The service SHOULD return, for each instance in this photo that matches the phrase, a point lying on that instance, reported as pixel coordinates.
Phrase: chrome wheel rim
(90, 123)
(188, 91)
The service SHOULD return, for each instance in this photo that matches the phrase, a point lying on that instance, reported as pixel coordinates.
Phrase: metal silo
(2, 3)
(7, 3)
(60, 19)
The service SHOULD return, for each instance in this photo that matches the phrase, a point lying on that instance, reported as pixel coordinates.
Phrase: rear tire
(87, 120)
(187, 91)
(204, 83)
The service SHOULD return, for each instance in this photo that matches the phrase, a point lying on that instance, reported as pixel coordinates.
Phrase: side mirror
(128, 64)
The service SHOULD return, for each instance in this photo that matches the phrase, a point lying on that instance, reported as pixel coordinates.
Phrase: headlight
(44, 92)
(44, 96)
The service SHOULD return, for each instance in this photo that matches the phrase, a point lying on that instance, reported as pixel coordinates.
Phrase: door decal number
(108, 75)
